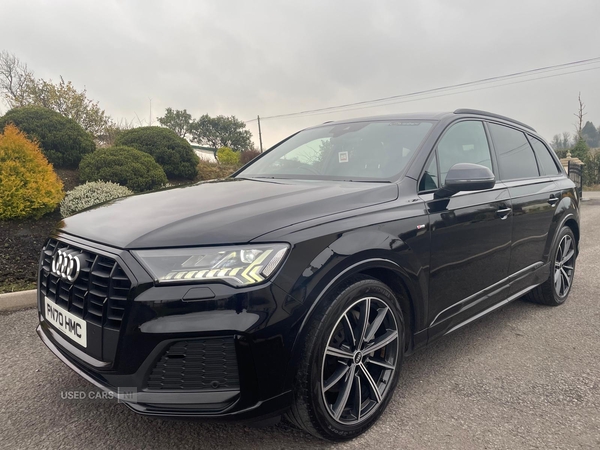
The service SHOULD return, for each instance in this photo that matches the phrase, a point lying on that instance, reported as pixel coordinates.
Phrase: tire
(330, 409)
(555, 290)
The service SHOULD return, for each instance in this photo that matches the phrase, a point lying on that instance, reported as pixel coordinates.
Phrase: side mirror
(466, 177)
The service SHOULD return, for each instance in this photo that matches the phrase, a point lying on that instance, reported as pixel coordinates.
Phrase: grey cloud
(270, 57)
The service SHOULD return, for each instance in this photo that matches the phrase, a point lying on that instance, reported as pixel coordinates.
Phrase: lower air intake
(197, 365)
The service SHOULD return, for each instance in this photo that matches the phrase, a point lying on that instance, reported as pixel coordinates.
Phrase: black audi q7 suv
(297, 285)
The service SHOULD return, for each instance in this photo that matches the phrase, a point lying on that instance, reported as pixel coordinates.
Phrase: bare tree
(579, 114)
(15, 80)
(112, 130)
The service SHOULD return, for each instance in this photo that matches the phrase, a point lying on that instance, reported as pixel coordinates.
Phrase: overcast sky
(245, 58)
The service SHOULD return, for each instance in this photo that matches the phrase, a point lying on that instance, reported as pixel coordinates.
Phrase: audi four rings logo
(66, 265)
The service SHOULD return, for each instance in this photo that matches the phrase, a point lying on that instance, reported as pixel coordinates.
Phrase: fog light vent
(197, 365)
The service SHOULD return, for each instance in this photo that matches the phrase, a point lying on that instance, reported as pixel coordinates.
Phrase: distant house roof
(203, 148)
(205, 153)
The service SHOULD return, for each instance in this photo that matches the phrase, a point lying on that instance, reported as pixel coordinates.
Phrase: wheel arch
(405, 300)
(568, 219)
(389, 272)
(566, 214)
(574, 226)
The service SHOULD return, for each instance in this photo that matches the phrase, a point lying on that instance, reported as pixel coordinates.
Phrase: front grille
(98, 295)
(197, 365)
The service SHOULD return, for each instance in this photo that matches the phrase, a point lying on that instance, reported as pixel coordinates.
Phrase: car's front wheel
(351, 361)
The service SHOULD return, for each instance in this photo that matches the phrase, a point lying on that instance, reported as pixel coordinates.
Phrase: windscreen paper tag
(343, 157)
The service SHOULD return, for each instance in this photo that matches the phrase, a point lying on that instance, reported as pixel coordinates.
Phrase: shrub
(248, 155)
(90, 194)
(28, 185)
(123, 165)
(591, 169)
(211, 171)
(561, 153)
(580, 150)
(173, 153)
(227, 156)
(62, 140)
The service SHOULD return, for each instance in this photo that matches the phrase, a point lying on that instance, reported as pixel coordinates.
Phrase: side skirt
(492, 308)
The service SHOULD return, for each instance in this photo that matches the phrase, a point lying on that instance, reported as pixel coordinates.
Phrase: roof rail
(489, 114)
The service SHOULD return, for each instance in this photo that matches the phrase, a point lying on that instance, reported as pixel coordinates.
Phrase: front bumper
(259, 321)
(206, 405)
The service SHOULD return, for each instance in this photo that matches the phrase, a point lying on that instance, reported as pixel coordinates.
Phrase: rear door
(470, 233)
(534, 196)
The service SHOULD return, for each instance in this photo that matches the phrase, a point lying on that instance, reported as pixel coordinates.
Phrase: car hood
(219, 212)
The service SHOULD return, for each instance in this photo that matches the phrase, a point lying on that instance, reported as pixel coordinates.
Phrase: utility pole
(150, 110)
(259, 133)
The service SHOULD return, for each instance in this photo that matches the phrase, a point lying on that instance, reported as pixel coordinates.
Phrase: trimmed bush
(581, 150)
(212, 171)
(28, 185)
(62, 140)
(173, 153)
(90, 194)
(227, 156)
(123, 165)
(248, 155)
(591, 169)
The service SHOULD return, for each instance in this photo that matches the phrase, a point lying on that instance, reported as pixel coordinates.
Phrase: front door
(470, 233)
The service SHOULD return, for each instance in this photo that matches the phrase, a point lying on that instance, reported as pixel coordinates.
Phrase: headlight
(237, 266)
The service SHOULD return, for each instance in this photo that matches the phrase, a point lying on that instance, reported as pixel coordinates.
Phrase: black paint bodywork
(450, 259)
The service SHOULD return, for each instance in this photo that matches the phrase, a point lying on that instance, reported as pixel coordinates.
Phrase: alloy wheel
(359, 361)
(564, 266)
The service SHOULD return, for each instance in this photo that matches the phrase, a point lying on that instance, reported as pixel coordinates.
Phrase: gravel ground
(524, 377)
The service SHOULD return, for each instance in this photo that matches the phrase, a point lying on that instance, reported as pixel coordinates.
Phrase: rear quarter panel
(566, 209)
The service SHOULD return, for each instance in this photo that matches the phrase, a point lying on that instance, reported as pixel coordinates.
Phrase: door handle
(553, 200)
(504, 212)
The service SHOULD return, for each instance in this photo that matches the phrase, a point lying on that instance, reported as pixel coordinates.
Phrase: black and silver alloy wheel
(564, 266)
(359, 360)
(555, 290)
(351, 359)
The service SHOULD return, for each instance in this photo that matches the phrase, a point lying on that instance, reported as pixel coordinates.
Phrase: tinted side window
(464, 142)
(515, 156)
(544, 158)
(429, 180)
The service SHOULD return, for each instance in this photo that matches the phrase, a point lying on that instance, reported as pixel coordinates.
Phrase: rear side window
(464, 142)
(544, 158)
(515, 155)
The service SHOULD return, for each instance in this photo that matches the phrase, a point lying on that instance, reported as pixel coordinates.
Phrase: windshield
(361, 151)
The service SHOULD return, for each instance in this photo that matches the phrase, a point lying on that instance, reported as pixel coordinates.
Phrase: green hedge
(173, 153)
(123, 165)
(62, 140)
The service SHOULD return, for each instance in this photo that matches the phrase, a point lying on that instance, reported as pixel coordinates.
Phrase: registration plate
(71, 326)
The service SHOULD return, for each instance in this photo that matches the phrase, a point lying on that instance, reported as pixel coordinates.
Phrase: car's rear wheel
(351, 361)
(556, 289)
